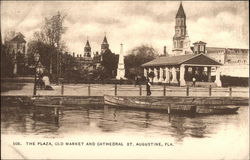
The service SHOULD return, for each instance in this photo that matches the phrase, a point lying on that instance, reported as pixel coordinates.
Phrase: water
(107, 121)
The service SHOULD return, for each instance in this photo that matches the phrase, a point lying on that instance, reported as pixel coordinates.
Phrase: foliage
(136, 57)
(109, 62)
(48, 43)
(52, 30)
(6, 62)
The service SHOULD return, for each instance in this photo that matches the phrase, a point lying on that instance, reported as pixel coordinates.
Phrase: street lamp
(36, 56)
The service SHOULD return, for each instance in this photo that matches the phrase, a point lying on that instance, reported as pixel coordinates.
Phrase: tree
(109, 62)
(6, 62)
(136, 57)
(52, 30)
(48, 43)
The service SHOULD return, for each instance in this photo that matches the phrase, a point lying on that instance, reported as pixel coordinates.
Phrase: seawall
(99, 100)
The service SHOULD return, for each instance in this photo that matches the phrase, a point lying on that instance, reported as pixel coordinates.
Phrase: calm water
(200, 137)
(74, 120)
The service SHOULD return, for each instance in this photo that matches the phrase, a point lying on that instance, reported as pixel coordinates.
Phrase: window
(196, 48)
(181, 45)
(202, 48)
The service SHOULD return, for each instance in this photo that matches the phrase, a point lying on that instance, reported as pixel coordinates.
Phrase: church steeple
(179, 39)
(87, 49)
(104, 45)
(181, 12)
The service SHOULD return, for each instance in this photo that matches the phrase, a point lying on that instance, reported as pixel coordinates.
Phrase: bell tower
(87, 49)
(179, 39)
(104, 45)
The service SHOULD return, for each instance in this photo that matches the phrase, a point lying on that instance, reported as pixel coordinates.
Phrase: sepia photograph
(125, 80)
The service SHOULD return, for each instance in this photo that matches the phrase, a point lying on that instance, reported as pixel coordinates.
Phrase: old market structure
(185, 62)
(181, 69)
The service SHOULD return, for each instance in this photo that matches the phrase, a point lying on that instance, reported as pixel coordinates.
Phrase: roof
(199, 42)
(18, 38)
(200, 59)
(105, 40)
(220, 49)
(180, 12)
(87, 44)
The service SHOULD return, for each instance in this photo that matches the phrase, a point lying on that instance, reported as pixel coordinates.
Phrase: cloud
(132, 23)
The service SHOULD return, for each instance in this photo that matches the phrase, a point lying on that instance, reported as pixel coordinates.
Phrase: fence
(140, 90)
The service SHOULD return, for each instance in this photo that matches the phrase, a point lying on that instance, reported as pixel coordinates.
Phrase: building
(235, 60)
(16, 46)
(199, 61)
(182, 69)
(181, 41)
(104, 45)
(91, 61)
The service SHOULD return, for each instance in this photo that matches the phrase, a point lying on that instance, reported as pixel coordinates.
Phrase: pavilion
(181, 69)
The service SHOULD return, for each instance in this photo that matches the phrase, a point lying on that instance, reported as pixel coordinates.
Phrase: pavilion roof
(198, 59)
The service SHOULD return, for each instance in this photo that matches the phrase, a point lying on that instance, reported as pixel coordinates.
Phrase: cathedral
(198, 61)
(181, 42)
(92, 60)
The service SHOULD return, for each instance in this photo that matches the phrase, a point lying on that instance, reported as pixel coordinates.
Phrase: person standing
(148, 85)
(194, 80)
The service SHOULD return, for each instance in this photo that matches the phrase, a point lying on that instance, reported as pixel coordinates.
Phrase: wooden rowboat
(217, 110)
(132, 102)
(129, 102)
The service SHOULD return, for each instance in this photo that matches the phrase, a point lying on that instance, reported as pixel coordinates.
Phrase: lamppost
(36, 56)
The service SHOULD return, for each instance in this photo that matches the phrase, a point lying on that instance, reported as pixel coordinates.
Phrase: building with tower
(16, 46)
(181, 41)
(93, 60)
(197, 61)
(104, 45)
(87, 50)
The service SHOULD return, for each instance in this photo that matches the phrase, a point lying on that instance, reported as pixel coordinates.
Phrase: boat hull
(203, 110)
(128, 102)
(175, 108)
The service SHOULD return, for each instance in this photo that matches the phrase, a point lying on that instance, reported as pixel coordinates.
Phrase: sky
(133, 23)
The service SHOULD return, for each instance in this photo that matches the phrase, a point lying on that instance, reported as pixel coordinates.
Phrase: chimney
(77, 55)
(165, 51)
(80, 55)
(73, 54)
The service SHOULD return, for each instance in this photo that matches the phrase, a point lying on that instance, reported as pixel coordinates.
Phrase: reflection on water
(91, 119)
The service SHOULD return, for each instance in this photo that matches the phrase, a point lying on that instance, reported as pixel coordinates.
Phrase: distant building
(181, 41)
(92, 61)
(16, 46)
(199, 61)
(235, 60)
(104, 45)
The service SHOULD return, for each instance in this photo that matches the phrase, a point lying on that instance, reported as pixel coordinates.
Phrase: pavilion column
(182, 73)
(217, 77)
(150, 70)
(145, 73)
(15, 64)
(155, 75)
(174, 79)
(167, 75)
(161, 75)
(209, 73)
